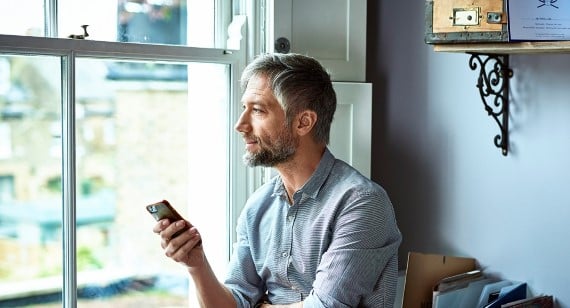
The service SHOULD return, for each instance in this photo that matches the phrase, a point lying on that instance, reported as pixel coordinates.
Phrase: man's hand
(185, 248)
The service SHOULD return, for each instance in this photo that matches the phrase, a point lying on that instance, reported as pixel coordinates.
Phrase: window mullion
(69, 182)
(50, 17)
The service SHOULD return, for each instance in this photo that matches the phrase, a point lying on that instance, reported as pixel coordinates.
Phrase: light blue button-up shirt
(335, 246)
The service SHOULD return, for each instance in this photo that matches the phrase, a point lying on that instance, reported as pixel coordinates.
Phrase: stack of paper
(473, 289)
(541, 301)
(461, 290)
(441, 281)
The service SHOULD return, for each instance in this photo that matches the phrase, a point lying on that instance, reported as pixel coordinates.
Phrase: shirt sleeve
(365, 239)
(242, 279)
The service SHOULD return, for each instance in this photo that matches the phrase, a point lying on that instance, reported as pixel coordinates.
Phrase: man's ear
(306, 121)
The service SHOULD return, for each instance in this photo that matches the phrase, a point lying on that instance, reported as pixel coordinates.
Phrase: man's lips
(249, 143)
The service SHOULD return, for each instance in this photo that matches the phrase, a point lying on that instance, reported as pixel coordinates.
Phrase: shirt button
(284, 254)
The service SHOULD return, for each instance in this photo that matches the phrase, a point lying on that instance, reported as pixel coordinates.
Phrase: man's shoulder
(263, 196)
(267, 189)
(343, 174)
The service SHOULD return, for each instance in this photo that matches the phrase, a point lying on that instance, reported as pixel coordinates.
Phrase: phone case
(162, 210)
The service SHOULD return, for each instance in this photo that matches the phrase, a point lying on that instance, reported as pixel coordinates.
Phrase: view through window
(196, 23)
(145, 130)
(137, 142)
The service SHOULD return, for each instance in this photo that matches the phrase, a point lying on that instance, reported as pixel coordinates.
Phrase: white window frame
(69, 50)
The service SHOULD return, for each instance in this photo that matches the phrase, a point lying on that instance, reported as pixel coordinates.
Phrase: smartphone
(162, 210)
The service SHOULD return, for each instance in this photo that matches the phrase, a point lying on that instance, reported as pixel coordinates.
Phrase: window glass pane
(173, 22)
(193, 23)
(30, 180)
(142, 138)
(22, 17)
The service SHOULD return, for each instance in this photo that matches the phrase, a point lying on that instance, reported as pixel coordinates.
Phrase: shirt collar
(312, 187)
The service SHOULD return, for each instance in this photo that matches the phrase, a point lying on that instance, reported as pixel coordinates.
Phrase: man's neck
(296, 172)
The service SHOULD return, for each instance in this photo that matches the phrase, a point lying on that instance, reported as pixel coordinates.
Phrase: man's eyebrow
(254, 102)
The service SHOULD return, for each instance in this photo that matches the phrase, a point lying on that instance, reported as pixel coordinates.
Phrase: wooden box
(466, 21)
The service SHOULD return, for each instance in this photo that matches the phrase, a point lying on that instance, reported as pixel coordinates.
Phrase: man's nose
(242, 125)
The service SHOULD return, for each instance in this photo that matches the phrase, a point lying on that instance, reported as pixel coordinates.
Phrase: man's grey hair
(299, 83)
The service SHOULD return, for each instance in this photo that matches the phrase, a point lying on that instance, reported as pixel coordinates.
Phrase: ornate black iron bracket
(493, 84)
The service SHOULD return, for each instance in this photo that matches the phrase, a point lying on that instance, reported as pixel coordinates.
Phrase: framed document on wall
(539, 20)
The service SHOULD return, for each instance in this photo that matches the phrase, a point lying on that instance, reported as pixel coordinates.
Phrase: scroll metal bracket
(493, 85)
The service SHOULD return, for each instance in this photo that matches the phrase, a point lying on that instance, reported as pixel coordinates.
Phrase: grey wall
(453, 191)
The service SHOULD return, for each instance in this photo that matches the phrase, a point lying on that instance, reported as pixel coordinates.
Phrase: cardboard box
(424, 271)
(466, 21)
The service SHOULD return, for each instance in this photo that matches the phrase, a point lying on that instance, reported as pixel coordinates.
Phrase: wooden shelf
(506, 48)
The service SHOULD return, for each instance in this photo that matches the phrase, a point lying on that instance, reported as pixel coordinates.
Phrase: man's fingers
(169, 231)
(181, 249)
(160, 225)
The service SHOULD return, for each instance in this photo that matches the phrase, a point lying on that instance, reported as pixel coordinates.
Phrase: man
(319, 234)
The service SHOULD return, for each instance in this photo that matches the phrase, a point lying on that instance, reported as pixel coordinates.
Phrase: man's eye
(256, 110)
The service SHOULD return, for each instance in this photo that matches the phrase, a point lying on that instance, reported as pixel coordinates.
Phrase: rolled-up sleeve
(242, 279)
(365, 242)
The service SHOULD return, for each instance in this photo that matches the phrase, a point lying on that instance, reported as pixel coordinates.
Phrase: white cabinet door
(332, 31)
(352, 125)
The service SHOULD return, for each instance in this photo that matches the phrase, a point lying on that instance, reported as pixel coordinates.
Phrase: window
(91, 131)
(196, 23)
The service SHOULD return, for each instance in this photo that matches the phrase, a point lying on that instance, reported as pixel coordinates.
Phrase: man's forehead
(257, 87)
(258, 83)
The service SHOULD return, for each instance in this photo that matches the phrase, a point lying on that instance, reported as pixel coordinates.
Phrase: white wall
(453, 190)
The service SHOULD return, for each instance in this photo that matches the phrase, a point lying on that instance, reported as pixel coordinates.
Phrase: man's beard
(273, 152)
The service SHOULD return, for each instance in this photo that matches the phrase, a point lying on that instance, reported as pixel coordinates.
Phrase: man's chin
(252, 160)
(265, 161)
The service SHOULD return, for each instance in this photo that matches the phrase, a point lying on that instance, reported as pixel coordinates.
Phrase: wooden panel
(351, 130)
(443, 15)
(332, 31)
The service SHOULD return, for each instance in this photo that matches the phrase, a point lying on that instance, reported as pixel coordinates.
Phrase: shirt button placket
(286, 254)
(289, 236)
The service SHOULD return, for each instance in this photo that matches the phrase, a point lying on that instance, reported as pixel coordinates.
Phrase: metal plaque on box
(465, 21)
